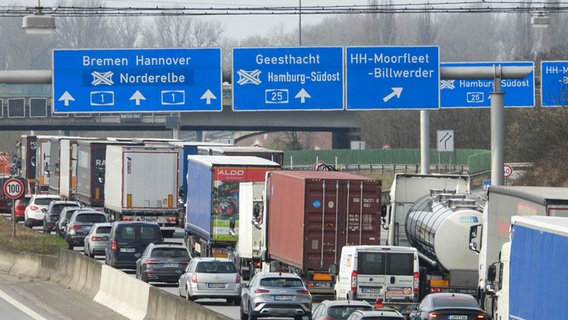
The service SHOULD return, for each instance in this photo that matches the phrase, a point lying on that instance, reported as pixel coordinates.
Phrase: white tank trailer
(438, 225)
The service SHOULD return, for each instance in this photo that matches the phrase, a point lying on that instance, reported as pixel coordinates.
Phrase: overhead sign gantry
(137, 80)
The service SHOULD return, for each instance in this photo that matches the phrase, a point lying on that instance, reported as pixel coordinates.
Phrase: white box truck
(141, 184)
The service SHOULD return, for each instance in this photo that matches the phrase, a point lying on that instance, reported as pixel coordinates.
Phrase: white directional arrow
(137, 96)
(303, 94)
(208, 95)
(66, 97)
(396, 91)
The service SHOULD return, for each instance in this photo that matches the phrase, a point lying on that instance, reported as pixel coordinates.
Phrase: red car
(20, 206)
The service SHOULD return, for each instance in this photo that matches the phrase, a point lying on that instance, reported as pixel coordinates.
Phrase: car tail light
(415, 283)
(126, 218)
(75, 226)
(354, 281)
(303, 291)
(433, 315)
(33, 207)
(152, 262)
(261, 291)
(194, 278)
(96, 238)
(238, 278)
(481, 316)
(171, 220)
(114, 246)
(309, 284)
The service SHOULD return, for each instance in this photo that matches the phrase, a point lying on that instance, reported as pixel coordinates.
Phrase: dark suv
(53, 211)
(128, 240)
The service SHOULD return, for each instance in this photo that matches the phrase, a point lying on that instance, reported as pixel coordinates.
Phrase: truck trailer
(141, 184)
(311, 215)
(212, 219)
(488, 237)
(533, 263)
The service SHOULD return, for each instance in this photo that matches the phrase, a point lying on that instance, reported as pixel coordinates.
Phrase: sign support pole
(497, 130)
(424, 141)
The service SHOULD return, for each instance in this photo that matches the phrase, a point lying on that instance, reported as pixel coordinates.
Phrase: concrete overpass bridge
(26, 105)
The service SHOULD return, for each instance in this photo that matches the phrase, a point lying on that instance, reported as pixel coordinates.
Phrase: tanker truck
(438, 226)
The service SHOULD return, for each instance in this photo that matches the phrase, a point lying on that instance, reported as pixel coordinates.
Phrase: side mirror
(333, 269)
(475, 237)
(491, 273)
(384, 210)
(44, 210)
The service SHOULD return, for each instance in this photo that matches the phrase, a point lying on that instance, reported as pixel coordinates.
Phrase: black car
(80, 224)
(162, 262)
(53, 212)
(448, 306)
(128, 240)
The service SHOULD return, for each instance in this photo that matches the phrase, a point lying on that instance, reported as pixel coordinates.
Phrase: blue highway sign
(393, 78)
(476, 93)
(554, 83)
(137, 80)
(277, 79)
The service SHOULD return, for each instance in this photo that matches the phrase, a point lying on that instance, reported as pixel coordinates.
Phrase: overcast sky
(236, 27)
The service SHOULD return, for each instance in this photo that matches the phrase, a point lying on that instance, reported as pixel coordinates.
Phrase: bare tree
(183, 32)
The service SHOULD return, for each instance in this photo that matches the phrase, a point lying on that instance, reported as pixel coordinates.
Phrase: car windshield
(281, 282)
(69, 213)
(90, 217)
(43, 201)
(452, 302)
(216, 267)
(343, 312)
(57, 208)
(103, 230)
(170, 253)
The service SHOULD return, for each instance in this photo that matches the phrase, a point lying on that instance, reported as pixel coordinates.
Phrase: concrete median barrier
(123, 293)
(166, 306)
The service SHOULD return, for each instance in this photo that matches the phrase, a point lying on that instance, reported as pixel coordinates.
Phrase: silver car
(95, 241)
(211, 278)
(274, 294)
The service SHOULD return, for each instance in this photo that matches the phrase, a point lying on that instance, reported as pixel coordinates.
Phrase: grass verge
(28, 240)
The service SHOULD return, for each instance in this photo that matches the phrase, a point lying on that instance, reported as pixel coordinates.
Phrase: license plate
(457, 317)
(128, 250)
(283, 298)
(170, 265)
(364, 290)
(216, 285)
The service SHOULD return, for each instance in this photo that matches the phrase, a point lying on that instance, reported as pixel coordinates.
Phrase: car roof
(277, 274)
(331, 303)
(47, 196)
(449, 295)
(119, 223)
(198, 259)
(166, 245)
(379, 313)
(102, 224)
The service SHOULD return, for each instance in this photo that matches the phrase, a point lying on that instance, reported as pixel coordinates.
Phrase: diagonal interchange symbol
(246, 77)
(102, 78)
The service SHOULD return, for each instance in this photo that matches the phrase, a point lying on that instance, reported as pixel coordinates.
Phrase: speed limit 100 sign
(13, 188)
(508, 171)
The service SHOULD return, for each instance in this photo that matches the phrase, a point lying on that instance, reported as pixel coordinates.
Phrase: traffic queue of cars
(140, 246)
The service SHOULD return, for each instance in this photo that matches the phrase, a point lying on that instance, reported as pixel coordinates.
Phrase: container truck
(532, 267)
(64, 152)
(212, 219)
(27, 161)
(311, 215)
(487, 237)
(141, 184)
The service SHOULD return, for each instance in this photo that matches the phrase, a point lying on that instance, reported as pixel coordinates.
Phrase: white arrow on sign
(396, 91)
(66, 97)
(303, 94)
(137, 96)
(208, 95)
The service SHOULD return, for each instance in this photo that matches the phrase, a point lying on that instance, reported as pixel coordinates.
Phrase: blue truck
(533, 265)
(212, 210)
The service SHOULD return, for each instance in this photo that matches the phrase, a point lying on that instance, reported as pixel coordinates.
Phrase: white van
(369, 272)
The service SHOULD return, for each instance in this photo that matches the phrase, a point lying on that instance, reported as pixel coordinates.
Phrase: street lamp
(540, 19)
(38, 23)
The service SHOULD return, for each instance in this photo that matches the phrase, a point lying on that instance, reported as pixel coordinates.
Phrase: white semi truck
(488, 237)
